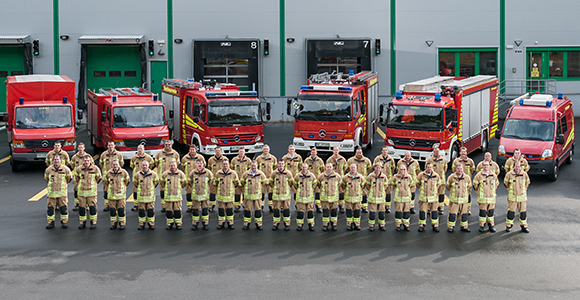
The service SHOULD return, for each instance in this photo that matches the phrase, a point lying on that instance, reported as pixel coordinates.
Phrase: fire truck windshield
(316, 107)
(416, 117)
(138, 116)
(43, 117)
(239, 112)
(528, 130)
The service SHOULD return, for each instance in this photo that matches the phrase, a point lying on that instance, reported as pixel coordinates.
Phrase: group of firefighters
(352, 186)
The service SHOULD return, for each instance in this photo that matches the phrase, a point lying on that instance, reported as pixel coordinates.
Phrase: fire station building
(273, 46)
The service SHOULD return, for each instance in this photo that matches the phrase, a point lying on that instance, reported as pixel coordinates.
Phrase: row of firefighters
(352, 186)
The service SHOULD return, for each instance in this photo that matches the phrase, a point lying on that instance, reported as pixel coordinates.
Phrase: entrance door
(113, 66)
(11, 64)
(537, 71)
(158, 73)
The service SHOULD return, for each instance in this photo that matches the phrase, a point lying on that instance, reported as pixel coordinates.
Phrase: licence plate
(322, 144)
(41, 155)
(235, 148)
(415, 154)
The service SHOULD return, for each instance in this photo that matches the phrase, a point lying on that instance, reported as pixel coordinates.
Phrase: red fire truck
(336, 110)
(129, 117)
(444, 112)
(40, 111)
(208, 114)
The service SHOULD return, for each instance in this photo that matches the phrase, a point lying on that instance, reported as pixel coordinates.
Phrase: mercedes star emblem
(322, 133)
(237, 138)
(44, 144)
(142, 142)
(412, 142)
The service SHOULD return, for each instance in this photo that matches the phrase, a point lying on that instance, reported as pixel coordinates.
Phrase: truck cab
(207, 114)
(40, 111)
(542, 127)
(335, 110)
(129, 117)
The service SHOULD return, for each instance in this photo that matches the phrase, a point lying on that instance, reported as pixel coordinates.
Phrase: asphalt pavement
(94, 264)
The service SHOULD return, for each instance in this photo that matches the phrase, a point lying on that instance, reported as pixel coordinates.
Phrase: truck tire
(570, 157)
(484, 142)
(554, 175)
(14, 164)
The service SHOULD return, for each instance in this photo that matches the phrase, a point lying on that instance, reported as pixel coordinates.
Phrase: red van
(542, 127)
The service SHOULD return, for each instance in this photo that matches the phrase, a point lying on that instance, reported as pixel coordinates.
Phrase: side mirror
(103, 116)
(196, 110)
(454, 124)
(363, 108)
(268, 111)
(381, 109)
(79, 114)
(289, 106)
(171, 114)
(498, 133)
(454, 115)
(561, 139)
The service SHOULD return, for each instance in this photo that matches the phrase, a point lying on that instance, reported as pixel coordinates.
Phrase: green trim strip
(501, 42)
(446, 50)
(170, 38)
(393, 47)
(56, 36)
(282, 48)
(543, 49)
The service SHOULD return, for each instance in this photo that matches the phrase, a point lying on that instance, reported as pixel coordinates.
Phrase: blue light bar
(350, 72)
(399, 95)
(210, 94)
(344, 88)
(548, 103)
(155, 97)
(305, 87)
(114, 98)
(310, 135)
(521, 101)
(248, 140)
(64, 100)
(333, 136)
(560, 96)
(437, 97)
(21, 100)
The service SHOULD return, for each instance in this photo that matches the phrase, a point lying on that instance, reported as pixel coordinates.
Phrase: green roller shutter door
(11, 64)
(113, 66)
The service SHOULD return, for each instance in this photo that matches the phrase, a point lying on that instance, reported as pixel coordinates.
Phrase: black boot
(169, 226)
(466, 229)
(450, 230)
(106, 208)
(205, 227)
(334, 228)
(151, 227)
(178, 227)
(421, 229)
(436, 229)
(259, 227)
(318, 209)
(286, 227)
(189, 210)
(246, 227)
(388, 210)
(341, 209)
(371, 228)
(481, 228)
(399, 228)
(83, 225)
(64, 225)
(134, 208)
(163, 210)
(324, 228)
(382, 228)
(407, 228)
(525, 229)
(93, 226)
(194, 226)
(491, 228)
(508, 229)
(311, 227)
(412, 210)
(114, 226)
(222, 226)
(121, 227)
(141, 227)
(275, 227)
(231, 226)
(299, 228)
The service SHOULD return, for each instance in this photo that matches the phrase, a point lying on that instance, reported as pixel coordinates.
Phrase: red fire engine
(208, 114)
(40, 111)
(336, 110)
(129, 117)
(442, 112)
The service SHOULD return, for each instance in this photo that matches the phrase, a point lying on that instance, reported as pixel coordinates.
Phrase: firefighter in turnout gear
(173, 181)
(316, 166)
(364, 167)
(58, 177)
(86, 178)
(253, 183)
(509, 164)
(329, 184)
(493, 166)
(64, 159)
(267, 163)
(402, 182)
(440, 167)
(162, 160)
(144, 182)
(485, 184)
(199, 184)
(117, 180)
(459, 186)
(388, 167)
(305, 185)
(292, 160)
(240, 164)
(106, 163)
(226, 181)
(377, 183)
(353, 183)
(516, 182)
(214, 164)
(281, 184)
(135, 165)
(339, 166)
(188, 164)
(413, 169)
(76, 161)
(468, 169)
(428, 183)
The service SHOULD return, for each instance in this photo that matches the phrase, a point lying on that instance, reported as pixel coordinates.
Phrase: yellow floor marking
(39, 195)
(446, 200)
(130, 199)
(381, 133)
(5, 159)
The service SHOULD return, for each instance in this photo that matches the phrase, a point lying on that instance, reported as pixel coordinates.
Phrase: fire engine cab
(208, 114)
(336, 110)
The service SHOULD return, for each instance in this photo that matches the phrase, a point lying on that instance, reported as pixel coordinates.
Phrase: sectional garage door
(113, 66)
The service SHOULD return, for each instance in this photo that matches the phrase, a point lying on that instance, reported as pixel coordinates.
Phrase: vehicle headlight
(18, 145)
(390, 142)
(120, 143)
(501, 149)
(213, 140)
(69, 143)
(258, 138)
(547, 153)
(436, 145)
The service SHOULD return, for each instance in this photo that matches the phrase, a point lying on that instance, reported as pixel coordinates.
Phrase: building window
(227, 70)
(467, 61)
(338, 64)
(559, 63)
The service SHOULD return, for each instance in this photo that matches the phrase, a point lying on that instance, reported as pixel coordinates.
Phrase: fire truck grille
(42, 144)
(146, 142)
(240, 138)
(413, 143)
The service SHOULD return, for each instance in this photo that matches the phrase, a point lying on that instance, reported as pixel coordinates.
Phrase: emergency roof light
(327, 88)
(560, 96)
(437, 97)
(155, 97)
(537, 100)
(399, 95)
(64, 100)
(21, 101)
(114, 97)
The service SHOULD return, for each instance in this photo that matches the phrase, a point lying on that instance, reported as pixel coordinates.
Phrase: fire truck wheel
(14, 164)
(484, 142)
(571, 157)
(554, 175)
